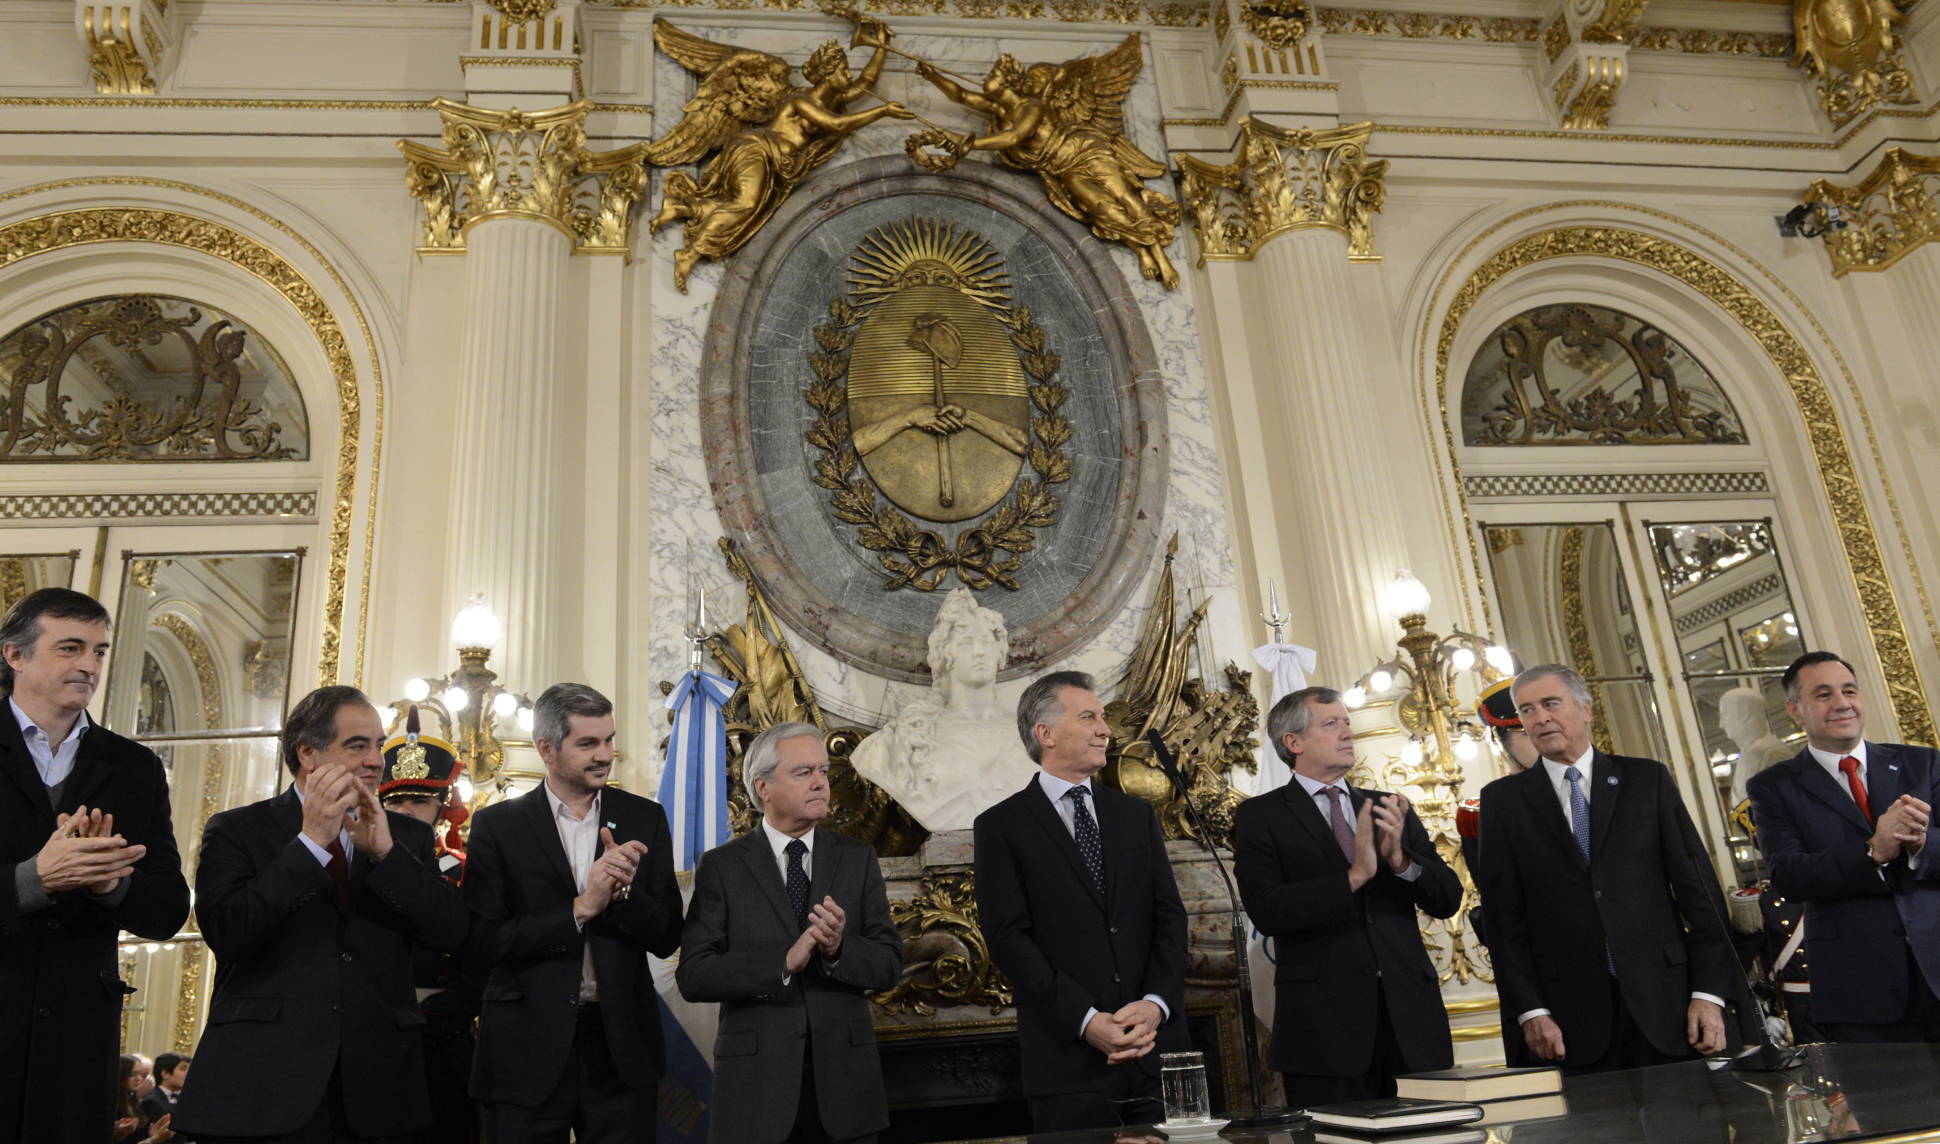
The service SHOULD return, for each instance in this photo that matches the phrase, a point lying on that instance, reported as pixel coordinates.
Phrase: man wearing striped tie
(1606, 925)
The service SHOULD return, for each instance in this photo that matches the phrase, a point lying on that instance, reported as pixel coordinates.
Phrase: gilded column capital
(1888, 214)
(1852, 48)
(1586, 48)
(523, 164)
(128, 43)
(1285, 180)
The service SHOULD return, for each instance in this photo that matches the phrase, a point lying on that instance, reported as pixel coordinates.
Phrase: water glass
(1183, 1076)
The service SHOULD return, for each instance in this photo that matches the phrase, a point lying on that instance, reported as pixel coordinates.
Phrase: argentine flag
(693, 789)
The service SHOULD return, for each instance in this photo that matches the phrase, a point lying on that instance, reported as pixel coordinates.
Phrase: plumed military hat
(418, 764)
(1497, 705)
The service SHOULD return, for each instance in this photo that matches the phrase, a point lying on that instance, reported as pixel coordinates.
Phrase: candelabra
(471, 703)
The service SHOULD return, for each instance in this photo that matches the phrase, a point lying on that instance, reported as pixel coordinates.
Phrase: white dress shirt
(581, 839)
(1325, 802)
(778, 842)
(53, 762)
(1830, 762)
(1054, 788)
(1559, 781)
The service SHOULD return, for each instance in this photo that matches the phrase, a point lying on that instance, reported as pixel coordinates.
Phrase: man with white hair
(769, 936)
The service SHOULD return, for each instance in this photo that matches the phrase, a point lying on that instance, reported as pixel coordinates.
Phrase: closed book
(1478, 1083)
(1458, 1135)
(1524, 1108)
(1398, 1114)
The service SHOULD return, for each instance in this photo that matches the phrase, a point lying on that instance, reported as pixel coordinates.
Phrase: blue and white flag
(693, 789)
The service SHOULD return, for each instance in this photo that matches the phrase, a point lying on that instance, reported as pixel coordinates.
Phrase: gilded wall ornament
(1852, 48)
(933, 395)
(946, 960)
(132, 378)
(1285, 180)
(1613, 23)
(1889, 214)
(1279, 24)
(516, 164)
(765, 134)
(126, 42)
(1066, 123)
(522, 11)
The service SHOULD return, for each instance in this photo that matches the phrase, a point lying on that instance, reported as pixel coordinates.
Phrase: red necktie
(1850, 765)
(339, 868)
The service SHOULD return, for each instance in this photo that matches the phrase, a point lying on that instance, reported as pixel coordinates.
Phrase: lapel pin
(1612, 780)
(612, 826)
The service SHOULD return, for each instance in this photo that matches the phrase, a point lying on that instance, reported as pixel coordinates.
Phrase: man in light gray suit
(769, 936)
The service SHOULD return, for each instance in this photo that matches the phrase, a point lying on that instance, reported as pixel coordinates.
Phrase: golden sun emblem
(410, 762)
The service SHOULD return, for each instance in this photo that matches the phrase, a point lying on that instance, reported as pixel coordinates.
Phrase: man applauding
(311, 902)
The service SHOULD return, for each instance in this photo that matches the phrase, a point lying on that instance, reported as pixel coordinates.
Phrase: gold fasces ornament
(765, 134)
(1066, 122)
(1285, 180)
(1889, 214)
(1851, 46)
(519, 164)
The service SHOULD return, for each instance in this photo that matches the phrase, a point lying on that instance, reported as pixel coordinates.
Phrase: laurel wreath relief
(991, 552)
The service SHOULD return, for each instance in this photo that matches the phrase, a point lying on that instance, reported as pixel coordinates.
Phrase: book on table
(1479, 1083)
(1542, 1106)
(1456, 1135)
(1397, 1114)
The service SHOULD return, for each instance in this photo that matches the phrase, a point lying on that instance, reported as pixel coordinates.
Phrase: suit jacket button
(336, 1007)
(1112, 929)
(348, 958)
(1114, 978)
(43, 1011)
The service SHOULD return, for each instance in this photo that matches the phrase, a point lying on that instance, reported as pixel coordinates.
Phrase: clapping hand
(1362, 869)
(85, 851)
(826, 921)
(369, 826)
(1390, 818)
(159, 1132)
(1902, 828)
(329, 793)
(620, 863)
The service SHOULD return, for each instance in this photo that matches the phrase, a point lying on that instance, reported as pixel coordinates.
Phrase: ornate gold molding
(1614, 23)
(1285, 180)
(126, 41)
(45, 233)
(1819, 417)
(1889, 214)
(1279, 24)
(1154, 13)
(188, 997)
(1852, 48)
(518, 164)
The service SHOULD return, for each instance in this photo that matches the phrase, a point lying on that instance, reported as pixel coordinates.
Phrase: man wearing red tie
(1846, 828)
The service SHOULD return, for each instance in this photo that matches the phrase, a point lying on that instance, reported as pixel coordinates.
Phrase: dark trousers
(1305, 1090)
(1628, 1047)
(448, 1046)
(1130, 1096)
(327, 1125)
(1919, 1024)
(808, 1109)
(591, 1100)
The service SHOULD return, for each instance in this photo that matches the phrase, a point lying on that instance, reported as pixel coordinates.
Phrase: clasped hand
(826, 922)
(611, 876)
(85, 851)
(1903, 828)
(1377, 838)
(1127, 1034)
(335, 800)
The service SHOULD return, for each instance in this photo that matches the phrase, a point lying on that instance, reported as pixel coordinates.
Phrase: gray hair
(1573, 680)
(764, 753)
(312, 722)
(558, 703)
(1043, 702)
(1292, 715)
(21, 629)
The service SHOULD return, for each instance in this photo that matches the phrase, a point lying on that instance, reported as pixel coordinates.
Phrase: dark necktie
(798, 882)
(1579, 811)
(339, 868)
(1337, 818)
(1085, 829)
(1857, 786)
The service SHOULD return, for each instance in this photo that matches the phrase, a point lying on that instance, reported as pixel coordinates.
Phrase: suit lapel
(1814, 781)
(1307, 813)
(1113, 839)
(822, 867)
(545, 834)
(1038, 808)
(1608, 779)
(19, 767)
(1547, 813)
(1885, 778)
(91, 768)
(760, 860)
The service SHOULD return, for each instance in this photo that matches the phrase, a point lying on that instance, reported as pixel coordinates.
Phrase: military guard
(420, 773)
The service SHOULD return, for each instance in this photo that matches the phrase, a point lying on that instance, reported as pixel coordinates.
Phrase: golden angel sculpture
(1067, 123)
(767, 134)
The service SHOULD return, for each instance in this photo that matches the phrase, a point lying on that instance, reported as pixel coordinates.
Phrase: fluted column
(504, 478)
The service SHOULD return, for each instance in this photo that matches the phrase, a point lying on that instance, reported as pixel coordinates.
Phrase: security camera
(1810, 220)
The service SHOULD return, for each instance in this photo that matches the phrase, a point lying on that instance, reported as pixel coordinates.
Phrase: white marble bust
(954, 752)
(1741, 715)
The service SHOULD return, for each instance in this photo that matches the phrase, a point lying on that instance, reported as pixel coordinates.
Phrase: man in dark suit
(1082, 914)
(570, 886)
(311, 902)
(171, 1073)
(1606, 925)
(767, 936)
(1846, 826)
(1334, 875)
(88, 851)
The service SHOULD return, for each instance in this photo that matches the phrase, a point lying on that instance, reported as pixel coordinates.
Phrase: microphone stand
(1258, 1116)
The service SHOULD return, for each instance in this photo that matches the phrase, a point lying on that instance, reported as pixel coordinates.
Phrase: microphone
(1257, 1116)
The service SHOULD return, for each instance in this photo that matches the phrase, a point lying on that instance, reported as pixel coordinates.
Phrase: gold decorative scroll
(1279, 24)
(1586, 93)
(1889, 214)
(1616, 23)
(518, 164)
(946, 960)
(1819, 418)
(1852, 48)
(124, 49)
(1285, 180)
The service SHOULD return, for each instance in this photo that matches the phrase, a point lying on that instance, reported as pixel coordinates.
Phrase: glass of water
(1183, 1076)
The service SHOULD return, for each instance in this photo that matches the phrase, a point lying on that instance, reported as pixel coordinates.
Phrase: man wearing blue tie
(1846, 827)
(1606, 925)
